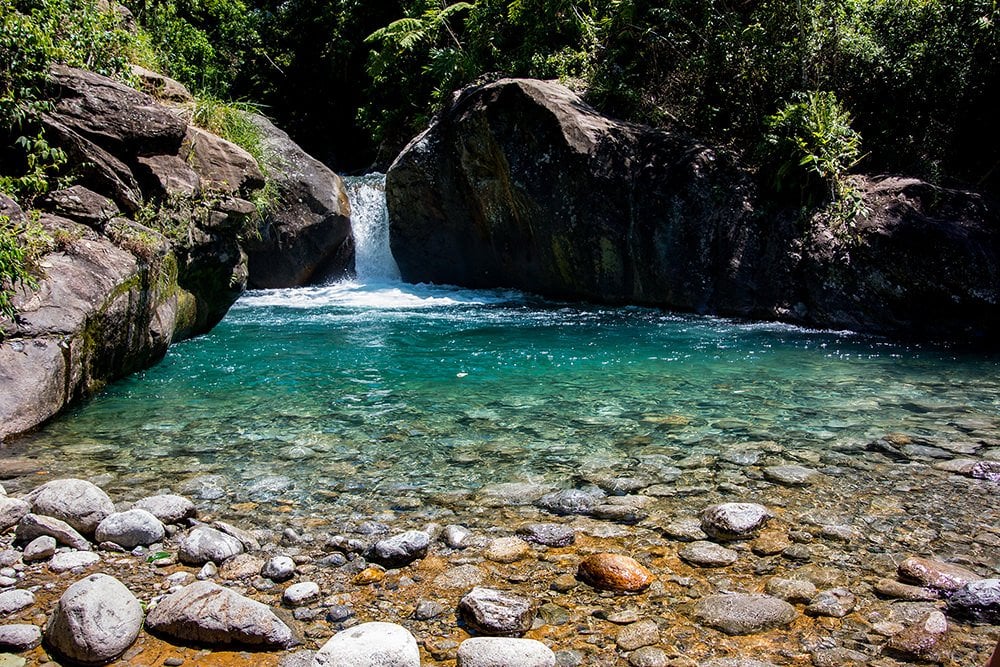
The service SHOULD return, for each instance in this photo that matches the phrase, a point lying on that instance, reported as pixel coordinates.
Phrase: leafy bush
(813, 145)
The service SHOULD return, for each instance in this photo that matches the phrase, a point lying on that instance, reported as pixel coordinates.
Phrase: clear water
(347, 396)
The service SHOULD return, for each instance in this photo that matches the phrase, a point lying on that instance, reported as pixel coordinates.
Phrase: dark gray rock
(707, 554)
(571, 501)
(207, 613)
(401, 549)
(744, 614)
(978, 601)
(306, 235)
(95, 621)
(494, 612)
(81, 205)
(518, 183)
(548, 534)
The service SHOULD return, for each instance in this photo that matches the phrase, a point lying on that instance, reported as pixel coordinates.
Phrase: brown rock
(168, 176)
(891, 588)
(507, 550)
(222, 165)
(161, 87)
(925, 640)
(369, 575)
(935, 574)
(770, 543)
(614, 572)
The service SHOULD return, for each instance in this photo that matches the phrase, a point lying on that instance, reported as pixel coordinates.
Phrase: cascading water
(370, 224)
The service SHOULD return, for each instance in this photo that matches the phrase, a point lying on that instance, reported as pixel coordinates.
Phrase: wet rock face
(936, 575)
(306, 236)
(520, 184)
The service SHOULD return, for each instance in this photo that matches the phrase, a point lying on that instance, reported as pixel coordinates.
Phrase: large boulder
(306, 235)
(81, 504)
(95, 621)
(370, 645)
(207, 613)
(520, 184)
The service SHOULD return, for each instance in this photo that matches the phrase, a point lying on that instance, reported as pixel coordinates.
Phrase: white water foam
(370, 225)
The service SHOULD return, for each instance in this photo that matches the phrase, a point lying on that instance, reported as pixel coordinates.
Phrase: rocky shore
(882, 556)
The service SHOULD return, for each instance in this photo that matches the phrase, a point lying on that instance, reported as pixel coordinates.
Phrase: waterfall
(370, 225)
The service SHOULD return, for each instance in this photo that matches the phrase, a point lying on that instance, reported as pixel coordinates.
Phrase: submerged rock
(370, 645)
(978, 601)
(494, 612)
(95, 620)
(936, 574)
(206, 612)
(707, 554)
(548, 534)
(614, 572)
(744, 614)
(923, 641)
(734, 521)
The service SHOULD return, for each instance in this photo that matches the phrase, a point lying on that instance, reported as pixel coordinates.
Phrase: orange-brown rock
(936, 574)
(614, 572)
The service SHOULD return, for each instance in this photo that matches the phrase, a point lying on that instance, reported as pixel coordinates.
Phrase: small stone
(246, 538)
(279, 569)
(769, 543)
(988, 470)
(707, 554)
(507, 550)
(401, 549)
(648, 656)
(463, 576)
(744, 614)
(207, 613)
(299, 594)
(734, 521)
(70, 560)
(19, 637)
(614, 572)
(338, 613)
(836, 603)
(370, 645)
(790, 475)
(494, 612)
(39, 548)
(891, 588)
(838, 657)
(208, 570)
(548, 534)
(14, 601)
(978, 601)
(368, 576)
(552, 614)
(455, 536)
(564, 583)
(130, 529)
(799, 552)
(637, 635)
(203, 544)
(95, 620)
(504, 652)
(173, 662)
(428, 609)
(77, 502)
(618, 513)
(685, 530)
(571, 501)
(922, 641)
(791, 590)
(241, 566)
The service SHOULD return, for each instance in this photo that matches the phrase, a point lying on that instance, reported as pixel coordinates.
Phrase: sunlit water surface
(353, 393)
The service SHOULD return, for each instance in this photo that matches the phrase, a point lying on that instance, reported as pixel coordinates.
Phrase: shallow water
(348, 395)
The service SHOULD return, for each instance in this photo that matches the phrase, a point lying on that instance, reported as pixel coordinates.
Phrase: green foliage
(204, 44)
(13, 267)
(812, 142)
(231, 121)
